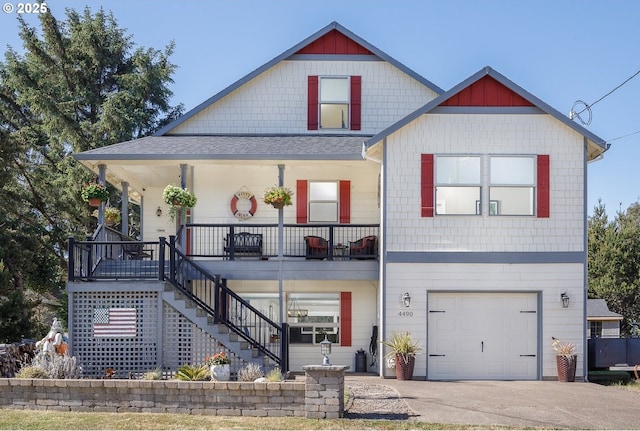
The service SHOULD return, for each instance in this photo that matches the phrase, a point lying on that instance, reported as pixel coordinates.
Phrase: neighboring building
(471, 201)
(603, 323)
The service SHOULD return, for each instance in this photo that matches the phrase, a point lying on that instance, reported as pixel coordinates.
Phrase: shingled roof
(597, 309)
(224, 147)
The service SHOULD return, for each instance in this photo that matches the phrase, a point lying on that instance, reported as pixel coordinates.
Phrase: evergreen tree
(80, 84)
(614, 262)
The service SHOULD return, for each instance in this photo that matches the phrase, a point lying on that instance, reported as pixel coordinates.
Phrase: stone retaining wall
(321, 395)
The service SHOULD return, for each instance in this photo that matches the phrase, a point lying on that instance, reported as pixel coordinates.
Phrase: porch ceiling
(155, 160)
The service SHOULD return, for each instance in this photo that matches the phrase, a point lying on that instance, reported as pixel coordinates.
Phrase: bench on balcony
(244, 244)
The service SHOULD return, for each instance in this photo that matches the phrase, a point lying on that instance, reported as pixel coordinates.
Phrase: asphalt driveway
(543, 404)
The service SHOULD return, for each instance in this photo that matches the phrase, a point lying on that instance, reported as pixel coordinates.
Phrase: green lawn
(55, 420)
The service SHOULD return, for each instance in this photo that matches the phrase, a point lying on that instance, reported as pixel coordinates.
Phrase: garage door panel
(482, 336)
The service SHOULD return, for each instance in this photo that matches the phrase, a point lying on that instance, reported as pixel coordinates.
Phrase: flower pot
(278, 204)
(95, 202)
(404, 370)
(566, 368)
(221, 373)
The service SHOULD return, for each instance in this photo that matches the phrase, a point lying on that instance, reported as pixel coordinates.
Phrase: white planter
(221, 373)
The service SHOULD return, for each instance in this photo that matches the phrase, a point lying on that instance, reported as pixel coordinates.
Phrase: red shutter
(301, 201)
(312, 103)
(345, 201)
(426, 185)
(356, 102)
(345, 318)
(543, 186)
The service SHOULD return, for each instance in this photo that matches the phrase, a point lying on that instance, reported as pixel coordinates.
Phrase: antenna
(584, 107)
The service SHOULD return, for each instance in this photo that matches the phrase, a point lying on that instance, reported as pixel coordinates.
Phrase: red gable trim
(486, 92)
(334, 42)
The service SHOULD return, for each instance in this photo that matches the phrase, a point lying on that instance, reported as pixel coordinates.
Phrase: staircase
(205, 321)
(201, 297)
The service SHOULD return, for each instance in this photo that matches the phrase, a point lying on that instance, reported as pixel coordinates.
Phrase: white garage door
(490, 336)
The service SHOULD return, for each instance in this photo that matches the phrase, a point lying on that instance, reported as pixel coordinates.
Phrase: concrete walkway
(543, 404)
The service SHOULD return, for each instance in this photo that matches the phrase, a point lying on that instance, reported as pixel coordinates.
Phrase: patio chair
(317, 247)
(364, 248)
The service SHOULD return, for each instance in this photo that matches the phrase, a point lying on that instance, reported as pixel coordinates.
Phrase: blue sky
(559, 50)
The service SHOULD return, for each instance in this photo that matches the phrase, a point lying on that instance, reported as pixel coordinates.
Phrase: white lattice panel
(125, 354)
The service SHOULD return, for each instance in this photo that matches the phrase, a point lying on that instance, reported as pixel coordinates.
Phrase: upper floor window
(512, 185)
(457, 184)
(323, 201)
(334, 103)
(517, 185)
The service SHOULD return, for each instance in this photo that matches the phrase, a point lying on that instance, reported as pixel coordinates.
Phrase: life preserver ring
(244, 195)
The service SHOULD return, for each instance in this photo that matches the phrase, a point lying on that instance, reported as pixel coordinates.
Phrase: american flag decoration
(114, 322)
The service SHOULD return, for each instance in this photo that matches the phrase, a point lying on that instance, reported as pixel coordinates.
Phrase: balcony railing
(342, 242)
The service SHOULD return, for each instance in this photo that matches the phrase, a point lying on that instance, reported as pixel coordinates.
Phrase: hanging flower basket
(278, 196)
(94, 194)
(177, 197)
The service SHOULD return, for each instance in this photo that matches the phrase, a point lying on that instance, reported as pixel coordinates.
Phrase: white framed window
(512, 185)
(311, 316)
(458, 185)
(323, 201)
(334, 102)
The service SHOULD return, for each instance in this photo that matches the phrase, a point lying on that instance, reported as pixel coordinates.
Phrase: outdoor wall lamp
(325, 349)
(406, 299)
(159, 212)
(565, 299)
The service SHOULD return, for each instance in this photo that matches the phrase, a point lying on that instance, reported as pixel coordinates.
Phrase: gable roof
(492, 92)
(351, 45)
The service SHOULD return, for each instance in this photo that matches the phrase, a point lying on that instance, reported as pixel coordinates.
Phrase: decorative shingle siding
(485, 135)
(276, 101)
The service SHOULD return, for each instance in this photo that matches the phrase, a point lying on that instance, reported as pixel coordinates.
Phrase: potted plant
(177, 197)
(277, 196)
(403, 354)
(219, 365)
(94, 193)
(566, 360)
(112, 215)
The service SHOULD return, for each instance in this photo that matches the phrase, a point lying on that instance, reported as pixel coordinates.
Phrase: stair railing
(211, 294)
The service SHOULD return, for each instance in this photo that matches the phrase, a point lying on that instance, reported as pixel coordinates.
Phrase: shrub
(274, 376)
(193, 372)
(250, 372)
(32, 372)
(152, 375)
(47, 366)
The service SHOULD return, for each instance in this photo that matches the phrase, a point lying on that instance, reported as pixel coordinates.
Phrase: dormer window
(334, 103)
